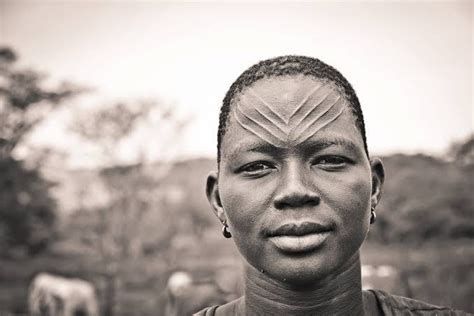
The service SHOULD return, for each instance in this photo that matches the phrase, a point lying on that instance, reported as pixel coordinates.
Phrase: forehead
(284, 93)
(288, 111)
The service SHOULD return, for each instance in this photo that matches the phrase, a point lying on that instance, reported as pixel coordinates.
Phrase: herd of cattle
(52, 295)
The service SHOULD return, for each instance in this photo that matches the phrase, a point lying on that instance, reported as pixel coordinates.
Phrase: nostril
(296, 200)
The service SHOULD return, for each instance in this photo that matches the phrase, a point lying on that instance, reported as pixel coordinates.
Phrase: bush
(27, 212)
(425, 198)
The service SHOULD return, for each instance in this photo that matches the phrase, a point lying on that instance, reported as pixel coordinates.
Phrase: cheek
(349, 195)
(244, 204)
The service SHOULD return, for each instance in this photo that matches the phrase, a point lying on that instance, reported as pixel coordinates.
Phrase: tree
(462, 152)
(27, 212)
(426, 198)
(24, 102)
(121, 227)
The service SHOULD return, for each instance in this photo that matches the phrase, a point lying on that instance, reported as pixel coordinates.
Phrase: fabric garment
(389, 305)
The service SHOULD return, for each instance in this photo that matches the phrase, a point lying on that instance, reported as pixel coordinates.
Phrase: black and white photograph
(177, 158)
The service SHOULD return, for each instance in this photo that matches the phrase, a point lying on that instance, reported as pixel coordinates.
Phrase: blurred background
(108, 123)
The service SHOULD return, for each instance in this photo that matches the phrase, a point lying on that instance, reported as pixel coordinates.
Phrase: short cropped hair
(288, 66)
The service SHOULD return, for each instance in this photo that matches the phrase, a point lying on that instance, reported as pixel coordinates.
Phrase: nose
(295, 189)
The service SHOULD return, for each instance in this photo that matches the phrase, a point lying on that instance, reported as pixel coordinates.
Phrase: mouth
(301, 237)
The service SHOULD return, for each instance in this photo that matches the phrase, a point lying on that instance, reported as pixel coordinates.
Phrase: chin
(298, 272)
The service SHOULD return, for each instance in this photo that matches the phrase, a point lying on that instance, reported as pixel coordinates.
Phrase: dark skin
(313, 171)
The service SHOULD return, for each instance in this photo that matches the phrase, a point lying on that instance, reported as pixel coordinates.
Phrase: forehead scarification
(290, 112)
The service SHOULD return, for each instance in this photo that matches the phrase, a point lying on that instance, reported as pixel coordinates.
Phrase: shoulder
(231, 308)
(208, 311)
(394, 305)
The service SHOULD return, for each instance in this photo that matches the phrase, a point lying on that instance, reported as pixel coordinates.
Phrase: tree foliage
(27, 212)
(24, 101)
(426, 198)
(27, 215)
(132, 190)
(133, 217)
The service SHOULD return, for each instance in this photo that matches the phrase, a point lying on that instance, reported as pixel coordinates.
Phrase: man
(297, 192)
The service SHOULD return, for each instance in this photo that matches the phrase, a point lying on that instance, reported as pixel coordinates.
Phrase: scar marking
(311, 110)
(303, 102)
(331, 119)
(315, 119)
(260, 135)
(265, 115)
(268, 122)
(262, 125)
(268, 106)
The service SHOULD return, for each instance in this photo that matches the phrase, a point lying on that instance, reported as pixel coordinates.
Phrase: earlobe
(378, 177)
(212, 193)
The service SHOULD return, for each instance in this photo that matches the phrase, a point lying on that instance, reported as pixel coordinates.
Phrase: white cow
(51, 295)
(383, 277)
(185, 296)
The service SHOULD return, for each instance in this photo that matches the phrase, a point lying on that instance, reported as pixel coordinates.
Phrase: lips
(295, 229)
(299, 238)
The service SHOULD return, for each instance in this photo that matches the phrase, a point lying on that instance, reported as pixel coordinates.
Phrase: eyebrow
(312, 145)
(326, 142)
(256, 147)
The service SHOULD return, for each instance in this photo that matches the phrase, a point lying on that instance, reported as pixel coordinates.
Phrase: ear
(378, 177)
(212, 192)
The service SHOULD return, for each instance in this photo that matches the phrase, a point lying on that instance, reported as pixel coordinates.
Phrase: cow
(185, 296)
(51, 295)
(387, 278)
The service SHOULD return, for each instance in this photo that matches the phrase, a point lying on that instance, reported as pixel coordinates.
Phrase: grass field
(440, 273)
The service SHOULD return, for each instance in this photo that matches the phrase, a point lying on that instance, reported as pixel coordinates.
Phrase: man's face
(295, 184)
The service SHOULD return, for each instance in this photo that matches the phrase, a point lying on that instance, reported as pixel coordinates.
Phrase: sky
(410, 62)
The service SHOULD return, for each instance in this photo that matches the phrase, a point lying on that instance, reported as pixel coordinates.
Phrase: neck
(338, 294)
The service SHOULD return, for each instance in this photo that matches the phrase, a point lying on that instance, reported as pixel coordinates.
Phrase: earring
(225, 231)
(373, 216)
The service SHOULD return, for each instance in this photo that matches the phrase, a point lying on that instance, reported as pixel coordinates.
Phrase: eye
(331, 162)
(256, 169)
